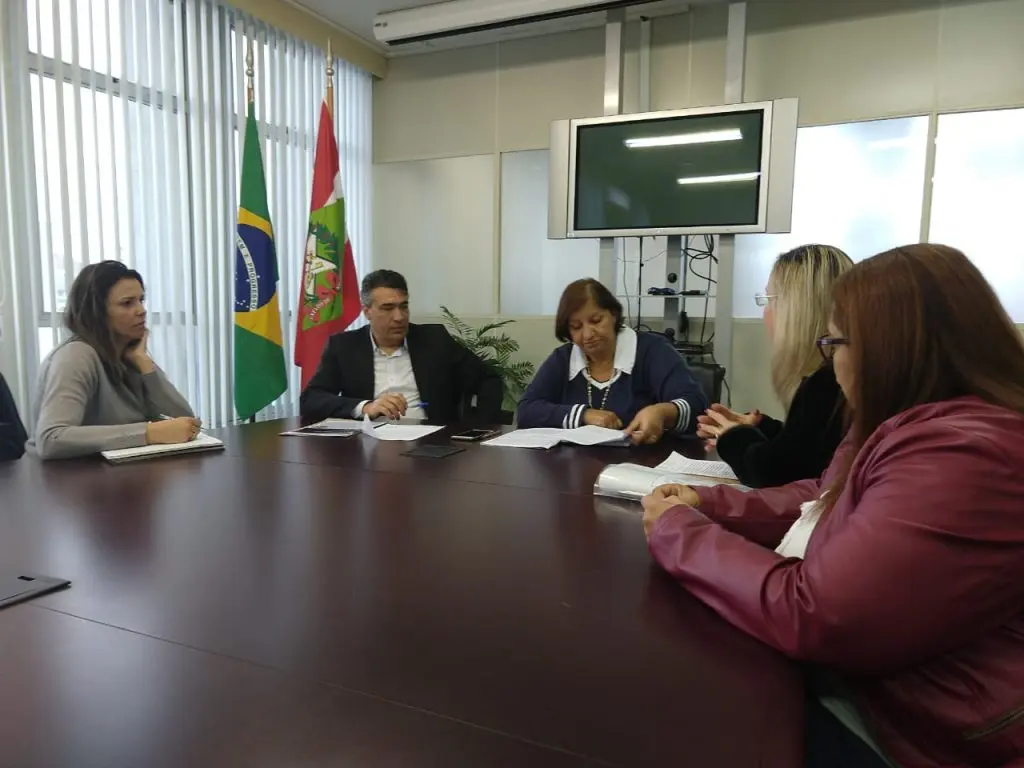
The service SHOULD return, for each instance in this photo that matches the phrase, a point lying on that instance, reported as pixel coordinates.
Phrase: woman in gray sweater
(100, 390)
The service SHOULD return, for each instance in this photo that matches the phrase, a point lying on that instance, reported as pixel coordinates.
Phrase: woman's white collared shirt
(625, 358)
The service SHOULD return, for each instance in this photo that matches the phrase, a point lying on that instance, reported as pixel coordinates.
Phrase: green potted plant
(495, 349)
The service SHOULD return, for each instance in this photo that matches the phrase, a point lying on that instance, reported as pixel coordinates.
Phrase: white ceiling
(356, 16)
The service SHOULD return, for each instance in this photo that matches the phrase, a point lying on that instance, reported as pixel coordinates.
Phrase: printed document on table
(398, 432)
(545, 438)
(527, 438)
(680, 465)
(593, 435)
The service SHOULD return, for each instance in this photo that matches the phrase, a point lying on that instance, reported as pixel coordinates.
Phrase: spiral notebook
(124, 455)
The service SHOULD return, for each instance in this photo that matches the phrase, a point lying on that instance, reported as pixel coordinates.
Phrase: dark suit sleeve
(475, 377)
(12, 431)
(804, 446)
(323, 397)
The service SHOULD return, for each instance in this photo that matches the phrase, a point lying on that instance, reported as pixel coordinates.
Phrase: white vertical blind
(136, 156)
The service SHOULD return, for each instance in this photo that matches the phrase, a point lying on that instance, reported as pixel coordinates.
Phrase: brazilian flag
(260, 376)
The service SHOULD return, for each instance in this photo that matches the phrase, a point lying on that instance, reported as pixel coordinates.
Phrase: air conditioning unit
(457, 23)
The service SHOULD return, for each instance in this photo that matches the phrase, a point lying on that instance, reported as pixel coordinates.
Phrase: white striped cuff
(574, 417)
(683, 422)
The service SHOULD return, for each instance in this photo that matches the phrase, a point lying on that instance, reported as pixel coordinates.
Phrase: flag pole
(330, 79)
(250, 73)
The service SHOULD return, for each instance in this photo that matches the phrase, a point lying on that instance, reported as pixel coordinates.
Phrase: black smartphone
(475, 435)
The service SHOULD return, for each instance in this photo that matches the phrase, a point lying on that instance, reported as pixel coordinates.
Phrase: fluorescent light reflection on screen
(701, 137)
(719, 179)
(618, 197)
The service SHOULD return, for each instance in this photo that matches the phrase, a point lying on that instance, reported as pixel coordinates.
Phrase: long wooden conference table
(318, 601)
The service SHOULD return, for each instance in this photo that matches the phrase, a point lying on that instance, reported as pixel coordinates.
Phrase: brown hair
(86, 312)
(577, 294)
(923, 325)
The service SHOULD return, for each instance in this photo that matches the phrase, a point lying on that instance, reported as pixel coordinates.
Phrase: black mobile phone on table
(475, 435)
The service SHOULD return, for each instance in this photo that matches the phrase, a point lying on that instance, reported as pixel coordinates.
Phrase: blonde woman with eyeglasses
(797, 303)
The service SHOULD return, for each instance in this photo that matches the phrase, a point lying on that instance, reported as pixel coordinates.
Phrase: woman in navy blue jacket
(609, 375)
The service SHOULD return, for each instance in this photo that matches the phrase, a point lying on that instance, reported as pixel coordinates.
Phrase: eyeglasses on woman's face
(827, 346)
(762, 299)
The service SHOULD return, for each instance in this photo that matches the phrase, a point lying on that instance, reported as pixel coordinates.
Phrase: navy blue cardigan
(659, 376)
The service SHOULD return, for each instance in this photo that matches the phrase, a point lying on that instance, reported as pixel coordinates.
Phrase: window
(858, 186)
(109, 181)
(977, 194)
(92, 30)
(135, 155)
(89, 164)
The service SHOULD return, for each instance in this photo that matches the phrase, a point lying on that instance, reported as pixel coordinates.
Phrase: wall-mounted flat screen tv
(717, 170)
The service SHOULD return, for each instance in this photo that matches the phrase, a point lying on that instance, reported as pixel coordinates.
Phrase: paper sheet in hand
(548, 438)
(202, 443)
(680, 465)
(398, 432)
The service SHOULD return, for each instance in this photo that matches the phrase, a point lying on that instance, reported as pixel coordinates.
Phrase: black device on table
(16, 587)
(475, 435)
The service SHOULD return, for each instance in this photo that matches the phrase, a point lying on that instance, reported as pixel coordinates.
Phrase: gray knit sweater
(81, 410)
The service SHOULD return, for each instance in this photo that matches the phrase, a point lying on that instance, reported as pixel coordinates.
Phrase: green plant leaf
(461, 329)
(483, 330)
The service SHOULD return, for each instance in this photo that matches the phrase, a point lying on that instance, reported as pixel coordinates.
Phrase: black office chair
(469, 415)
(710, 377)
(12, 431)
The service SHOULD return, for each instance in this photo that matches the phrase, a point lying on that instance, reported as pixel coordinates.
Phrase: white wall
(846, 61)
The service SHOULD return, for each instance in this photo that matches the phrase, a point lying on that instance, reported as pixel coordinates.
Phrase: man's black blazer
(447, 374)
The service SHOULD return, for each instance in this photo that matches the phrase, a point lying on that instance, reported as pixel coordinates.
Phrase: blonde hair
(801, 281)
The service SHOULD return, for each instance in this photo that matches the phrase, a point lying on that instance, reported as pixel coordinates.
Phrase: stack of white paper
(633, 481)
(202, 443)
(548, 438)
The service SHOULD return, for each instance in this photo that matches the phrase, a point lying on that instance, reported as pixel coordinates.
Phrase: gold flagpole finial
(330, 78)
(249, 72)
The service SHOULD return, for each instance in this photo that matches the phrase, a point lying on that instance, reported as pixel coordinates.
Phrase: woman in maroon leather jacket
(909, 592)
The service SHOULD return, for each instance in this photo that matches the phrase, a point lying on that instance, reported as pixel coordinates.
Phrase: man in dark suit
(394, 368)
(12, 431)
